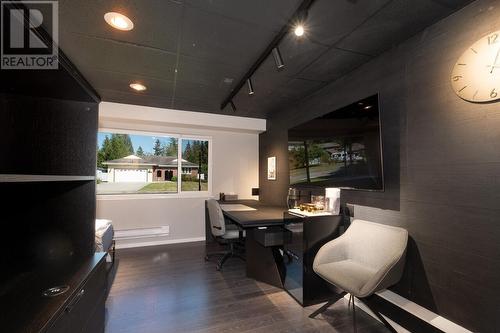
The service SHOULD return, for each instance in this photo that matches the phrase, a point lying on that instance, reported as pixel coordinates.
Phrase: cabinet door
(293, 258)
(85, 311)
(61, 325)
(90, 303)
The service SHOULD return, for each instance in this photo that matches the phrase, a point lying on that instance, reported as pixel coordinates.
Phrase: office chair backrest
(217, 224)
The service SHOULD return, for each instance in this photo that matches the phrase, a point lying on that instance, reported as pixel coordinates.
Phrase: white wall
(235, 159)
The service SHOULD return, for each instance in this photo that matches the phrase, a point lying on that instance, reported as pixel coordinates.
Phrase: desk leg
(263, 263)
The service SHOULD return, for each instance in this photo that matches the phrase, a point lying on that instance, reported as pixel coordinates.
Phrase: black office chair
(224, 234)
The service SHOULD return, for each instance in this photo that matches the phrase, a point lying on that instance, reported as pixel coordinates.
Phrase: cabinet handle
(77, 298)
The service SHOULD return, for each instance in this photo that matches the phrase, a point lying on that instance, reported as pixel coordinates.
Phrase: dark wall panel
(441, 166)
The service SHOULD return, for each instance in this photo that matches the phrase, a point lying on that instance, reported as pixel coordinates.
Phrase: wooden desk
(262, 216)
(263, 263)
(266, 263)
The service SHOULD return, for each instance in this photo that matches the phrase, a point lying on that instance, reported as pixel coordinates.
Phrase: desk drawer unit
(272, 236)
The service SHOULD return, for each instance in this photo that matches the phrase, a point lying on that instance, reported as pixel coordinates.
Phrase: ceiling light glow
(118, 21)
(137, 86)
(299, 30)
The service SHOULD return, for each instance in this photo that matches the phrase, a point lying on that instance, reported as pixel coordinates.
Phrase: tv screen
(340, 149)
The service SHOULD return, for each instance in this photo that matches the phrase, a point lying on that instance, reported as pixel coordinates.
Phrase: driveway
(105, 188)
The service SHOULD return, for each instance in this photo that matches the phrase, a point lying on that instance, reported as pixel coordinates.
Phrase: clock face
(476, 75)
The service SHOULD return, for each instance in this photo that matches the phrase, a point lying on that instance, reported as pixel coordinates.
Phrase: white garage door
(128, 176)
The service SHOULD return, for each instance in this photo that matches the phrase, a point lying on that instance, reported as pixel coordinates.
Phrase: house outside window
(140, 163)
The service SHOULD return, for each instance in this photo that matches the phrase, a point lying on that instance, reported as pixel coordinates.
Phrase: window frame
(164, 195)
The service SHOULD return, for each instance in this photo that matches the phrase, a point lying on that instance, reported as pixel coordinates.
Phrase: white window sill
(153, 196)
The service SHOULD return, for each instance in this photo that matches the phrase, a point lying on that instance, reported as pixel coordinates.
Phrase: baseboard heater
(137, 233)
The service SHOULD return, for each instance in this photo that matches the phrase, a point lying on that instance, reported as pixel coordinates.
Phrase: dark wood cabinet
(48, 139)
(308, 234)
(25, 308)
(84, 311)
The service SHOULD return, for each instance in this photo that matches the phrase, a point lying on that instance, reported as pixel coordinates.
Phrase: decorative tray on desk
(305, 213)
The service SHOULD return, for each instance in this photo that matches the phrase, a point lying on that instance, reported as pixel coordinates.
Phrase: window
(195, 160)
(139, 164)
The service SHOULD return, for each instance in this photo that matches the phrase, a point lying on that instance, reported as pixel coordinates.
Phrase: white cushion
(347, 274)
(368, 257)
(102, 224)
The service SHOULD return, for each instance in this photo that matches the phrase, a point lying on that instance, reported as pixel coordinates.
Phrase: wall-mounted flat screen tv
(340, 149)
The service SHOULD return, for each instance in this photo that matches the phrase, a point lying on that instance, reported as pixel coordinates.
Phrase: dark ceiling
(191, 53)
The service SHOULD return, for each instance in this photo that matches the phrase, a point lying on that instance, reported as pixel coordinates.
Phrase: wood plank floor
(171, 288)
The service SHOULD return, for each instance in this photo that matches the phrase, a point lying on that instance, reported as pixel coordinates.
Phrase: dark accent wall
(441, 166)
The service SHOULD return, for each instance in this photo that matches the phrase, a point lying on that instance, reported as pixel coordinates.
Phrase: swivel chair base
(225, 255)
(351, 300)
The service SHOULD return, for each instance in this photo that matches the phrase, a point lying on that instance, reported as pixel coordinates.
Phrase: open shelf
(17, 178)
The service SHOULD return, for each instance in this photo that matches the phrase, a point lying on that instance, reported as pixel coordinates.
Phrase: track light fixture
(278, 60)
(250, 87)
(299, 17)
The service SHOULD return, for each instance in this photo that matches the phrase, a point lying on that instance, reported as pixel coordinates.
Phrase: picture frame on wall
(271, 168)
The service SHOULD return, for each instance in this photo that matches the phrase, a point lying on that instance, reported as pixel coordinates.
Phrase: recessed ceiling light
(299, 30)
(138, 86)
(367, 107)
(118, 21)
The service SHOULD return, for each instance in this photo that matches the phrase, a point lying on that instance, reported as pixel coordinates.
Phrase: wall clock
(476, 75)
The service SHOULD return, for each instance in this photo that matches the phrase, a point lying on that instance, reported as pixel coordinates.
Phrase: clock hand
(495, 62)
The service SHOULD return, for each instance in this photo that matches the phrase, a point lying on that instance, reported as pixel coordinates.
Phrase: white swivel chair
(367, 258)
(225, 234)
